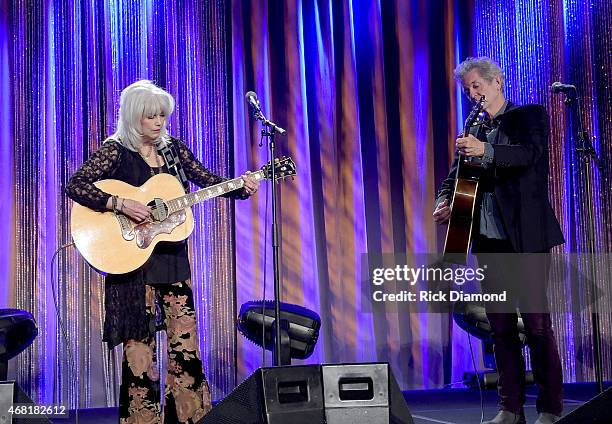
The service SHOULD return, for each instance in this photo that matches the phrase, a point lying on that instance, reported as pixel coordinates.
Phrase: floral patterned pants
(187, 397)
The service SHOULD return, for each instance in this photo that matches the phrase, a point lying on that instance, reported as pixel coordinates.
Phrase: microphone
(558, 87)
(251, 99)
(253, 102)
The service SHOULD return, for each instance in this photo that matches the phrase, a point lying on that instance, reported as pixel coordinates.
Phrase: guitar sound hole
(159, 210)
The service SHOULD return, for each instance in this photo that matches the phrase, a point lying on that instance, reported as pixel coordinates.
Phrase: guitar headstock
(474, 115)
(283, 167)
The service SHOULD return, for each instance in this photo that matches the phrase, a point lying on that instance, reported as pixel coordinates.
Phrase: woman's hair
(486, 67)
(142, 98)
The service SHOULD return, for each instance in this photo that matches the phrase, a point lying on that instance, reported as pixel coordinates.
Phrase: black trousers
(524, 277)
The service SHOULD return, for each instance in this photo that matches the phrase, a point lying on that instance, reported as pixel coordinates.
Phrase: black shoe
(507, 417)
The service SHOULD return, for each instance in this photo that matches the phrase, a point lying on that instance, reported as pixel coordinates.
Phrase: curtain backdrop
(67, 64)
(365, 91)
(355, 87)
(538, 42)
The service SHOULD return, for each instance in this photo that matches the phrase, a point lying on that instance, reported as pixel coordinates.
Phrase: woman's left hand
(250, 184)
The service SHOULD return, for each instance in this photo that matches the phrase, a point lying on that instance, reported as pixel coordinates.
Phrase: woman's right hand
(133, 209)
(442, 212)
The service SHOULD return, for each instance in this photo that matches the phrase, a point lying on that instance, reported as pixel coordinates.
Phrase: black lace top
(125, 316)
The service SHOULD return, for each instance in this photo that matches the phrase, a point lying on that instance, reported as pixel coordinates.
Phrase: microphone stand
(280, 330)
(585, 150)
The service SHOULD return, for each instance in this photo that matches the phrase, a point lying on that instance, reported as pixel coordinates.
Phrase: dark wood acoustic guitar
(459, 232)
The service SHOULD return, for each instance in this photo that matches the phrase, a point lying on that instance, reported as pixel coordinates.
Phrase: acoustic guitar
(459, 231)
(113, 243)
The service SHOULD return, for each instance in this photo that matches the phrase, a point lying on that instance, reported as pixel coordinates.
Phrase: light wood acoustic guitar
(459, 231)
(113, 243)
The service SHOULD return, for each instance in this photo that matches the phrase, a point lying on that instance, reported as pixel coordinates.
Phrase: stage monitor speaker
(278, 395)
(595, 411)
(315, 394)
(363, 393)
(12, 395)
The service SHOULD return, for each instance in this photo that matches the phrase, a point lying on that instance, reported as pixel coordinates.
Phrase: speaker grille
(242, 406)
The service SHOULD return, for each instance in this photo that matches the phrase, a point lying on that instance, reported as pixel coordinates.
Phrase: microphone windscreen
(555, 86)
(250, 96)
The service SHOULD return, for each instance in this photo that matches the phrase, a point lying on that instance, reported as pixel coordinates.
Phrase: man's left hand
(470, 146)
(250, 184)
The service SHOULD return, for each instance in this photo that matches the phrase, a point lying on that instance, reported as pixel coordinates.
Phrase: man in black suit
(513, 216)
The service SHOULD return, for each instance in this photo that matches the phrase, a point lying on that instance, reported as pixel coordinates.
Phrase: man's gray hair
(487, 68)
(142, 98)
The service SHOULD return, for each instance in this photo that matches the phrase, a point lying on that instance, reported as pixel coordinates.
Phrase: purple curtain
(67, 64)
(365, 91)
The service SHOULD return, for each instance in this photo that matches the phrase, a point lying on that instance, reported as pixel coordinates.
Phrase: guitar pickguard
(146, 232)
(127, 232)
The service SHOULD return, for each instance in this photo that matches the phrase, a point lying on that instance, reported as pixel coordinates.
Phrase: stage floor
(462, 406)
(448, 406)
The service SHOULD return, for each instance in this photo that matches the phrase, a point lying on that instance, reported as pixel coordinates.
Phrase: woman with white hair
(159, 294)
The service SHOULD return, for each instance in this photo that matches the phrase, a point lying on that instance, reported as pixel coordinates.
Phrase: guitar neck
(209, 192)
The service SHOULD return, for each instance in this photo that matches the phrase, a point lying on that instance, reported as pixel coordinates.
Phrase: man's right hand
(442, 212)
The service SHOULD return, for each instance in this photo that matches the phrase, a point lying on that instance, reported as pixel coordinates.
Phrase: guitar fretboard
(207, 193)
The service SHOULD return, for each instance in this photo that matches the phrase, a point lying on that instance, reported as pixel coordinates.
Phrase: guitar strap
(171, 157)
